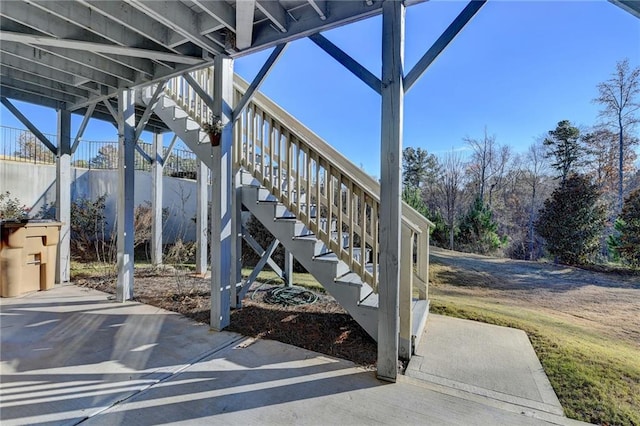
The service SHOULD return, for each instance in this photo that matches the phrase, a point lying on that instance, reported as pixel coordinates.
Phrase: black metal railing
(23, 146)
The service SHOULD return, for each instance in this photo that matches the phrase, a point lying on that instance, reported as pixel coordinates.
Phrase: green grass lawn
(596, 378)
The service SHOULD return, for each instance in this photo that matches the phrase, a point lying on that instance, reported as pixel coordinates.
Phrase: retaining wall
(34, 186)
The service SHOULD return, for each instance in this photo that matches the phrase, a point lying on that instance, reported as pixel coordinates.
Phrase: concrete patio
(72, 355)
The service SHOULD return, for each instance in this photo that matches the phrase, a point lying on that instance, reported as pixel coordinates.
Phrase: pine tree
(418, 167)
(413, 197)
(478, 230)
(629, 241)
(564, 147)
(572, 221)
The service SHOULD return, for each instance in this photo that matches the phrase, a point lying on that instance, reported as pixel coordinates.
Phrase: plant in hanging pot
(214, 130)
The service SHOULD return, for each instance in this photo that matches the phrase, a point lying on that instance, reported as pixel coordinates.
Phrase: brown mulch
(323, 326)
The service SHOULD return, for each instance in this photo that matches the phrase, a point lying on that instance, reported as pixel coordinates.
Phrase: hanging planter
(214, 130)
(214, 138)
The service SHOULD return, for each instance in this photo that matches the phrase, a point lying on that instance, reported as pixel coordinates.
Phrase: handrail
(335, 200)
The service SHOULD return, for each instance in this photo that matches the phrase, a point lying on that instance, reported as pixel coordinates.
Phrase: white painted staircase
(303, 191)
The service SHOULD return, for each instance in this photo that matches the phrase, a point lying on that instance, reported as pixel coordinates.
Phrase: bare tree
(535, 170)
(500, 168)
(31, 148)
(450, 188)
(488, 164)
(619, 97)
(600, 144)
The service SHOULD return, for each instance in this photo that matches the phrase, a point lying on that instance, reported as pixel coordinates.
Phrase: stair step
(178, 113)
(247, 180)
(298, 228)
(420, 312)
(308, 245)
(281, 211)
(369, 300)
(265, 195)
(330, 257)
(351, 279)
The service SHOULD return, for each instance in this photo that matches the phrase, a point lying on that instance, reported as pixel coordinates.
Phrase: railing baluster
(298, 183)
(340, 221)
(319, 229)
(374, 245)
(288, 161)
(252, 136)
(272, 145)
(261, 142)
(329, 194)
(308, 171)
(363, 231)
(352, 214)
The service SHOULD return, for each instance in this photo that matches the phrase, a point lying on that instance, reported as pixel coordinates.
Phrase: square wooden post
(390, 187)
(157, 169)
(221, 193)
(201, 217)
(63, 195)
(126, 174)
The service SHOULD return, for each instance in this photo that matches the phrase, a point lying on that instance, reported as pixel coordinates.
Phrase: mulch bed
(323, 326)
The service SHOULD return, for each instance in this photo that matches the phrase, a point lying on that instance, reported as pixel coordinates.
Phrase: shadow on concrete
(65, 358)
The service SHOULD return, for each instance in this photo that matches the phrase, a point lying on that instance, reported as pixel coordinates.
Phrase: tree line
(574, 195)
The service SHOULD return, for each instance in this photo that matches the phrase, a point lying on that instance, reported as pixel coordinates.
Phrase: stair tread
(370, 301)
(328, 256)
(287, 219)
(350, 279)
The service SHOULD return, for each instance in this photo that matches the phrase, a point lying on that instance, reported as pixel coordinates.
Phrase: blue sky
(518, 68)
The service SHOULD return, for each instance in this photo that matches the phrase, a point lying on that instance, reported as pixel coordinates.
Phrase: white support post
(221, 247)
(63, 195)
(201, 218)
(287, 272)
(390, 202)
(405, 346)
(237, 237)
(126, 170)
(157, 167)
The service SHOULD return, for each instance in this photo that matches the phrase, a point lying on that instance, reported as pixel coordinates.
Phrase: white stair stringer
(333, 274)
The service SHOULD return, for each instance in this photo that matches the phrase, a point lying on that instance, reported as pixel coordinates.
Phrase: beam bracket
(257, 81)
(33, 129)
(348, 62)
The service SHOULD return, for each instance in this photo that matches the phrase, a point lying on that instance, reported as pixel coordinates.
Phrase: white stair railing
(314, 181)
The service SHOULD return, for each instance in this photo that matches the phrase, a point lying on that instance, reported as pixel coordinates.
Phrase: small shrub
(181, 252)
(88, 230)
(12, 208)
(479, 231)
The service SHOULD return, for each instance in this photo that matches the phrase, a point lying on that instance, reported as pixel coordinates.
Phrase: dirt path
(606, 302)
